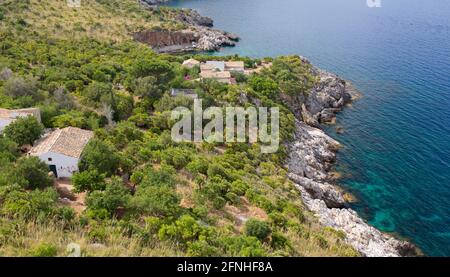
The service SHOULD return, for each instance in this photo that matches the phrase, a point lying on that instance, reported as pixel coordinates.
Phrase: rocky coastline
(311, 155)
(199, 34)
(312, 152)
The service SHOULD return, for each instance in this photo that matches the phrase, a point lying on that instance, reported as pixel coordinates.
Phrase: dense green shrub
(258, 229)
(96, 90)
(185, 229)
(44, 250)
(198, 165)
(279, 241)
(114, 196)
(162, 177)
(161, 70)
(203, 248)
(263, 85)
(147, 87)
(33, 205)
(99, 156)
(159, 201)
(176, 157)
(88, 181)
(243, 246)
(33, 172)
(24, 130)
(293, 75)
(8, 149)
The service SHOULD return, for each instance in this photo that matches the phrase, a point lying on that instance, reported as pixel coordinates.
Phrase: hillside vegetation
(145, 194)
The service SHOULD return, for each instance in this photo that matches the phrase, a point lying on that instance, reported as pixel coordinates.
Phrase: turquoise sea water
(396, 156)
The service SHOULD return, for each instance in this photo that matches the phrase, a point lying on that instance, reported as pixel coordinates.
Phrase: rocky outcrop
(321, 104)
(213, 40)
(311, 154)
(201, 38)
(367, 240)
(153, 2)
(197, 36)
(192, 17)
(327, 97)
(331, 195)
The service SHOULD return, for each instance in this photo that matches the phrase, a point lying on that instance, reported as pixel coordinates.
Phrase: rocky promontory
(311, 155)
(198, 34)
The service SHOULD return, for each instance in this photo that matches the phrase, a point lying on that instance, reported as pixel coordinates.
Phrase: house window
(49, 159)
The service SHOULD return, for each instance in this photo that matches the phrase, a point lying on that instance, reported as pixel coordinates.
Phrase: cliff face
(161, 39)
(311, 155)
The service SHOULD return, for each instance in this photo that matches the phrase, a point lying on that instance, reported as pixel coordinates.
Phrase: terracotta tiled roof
(69, 141)
(236, 64)
(206, 67)
(216, 74)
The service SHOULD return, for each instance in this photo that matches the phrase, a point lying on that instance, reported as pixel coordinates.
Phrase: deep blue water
(396, 155)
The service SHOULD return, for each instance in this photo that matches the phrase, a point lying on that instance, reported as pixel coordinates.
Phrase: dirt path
(67, 196)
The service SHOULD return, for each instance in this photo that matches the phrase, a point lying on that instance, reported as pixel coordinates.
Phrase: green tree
(99, 156)
(8, 149)
(33, 172)
(24, 130)
(114, 196)
(160, 201)
(147, 87)
(293, 75)
(96, 90)
(88, 181)
(264, 86)
(161, 70)
(168, 103)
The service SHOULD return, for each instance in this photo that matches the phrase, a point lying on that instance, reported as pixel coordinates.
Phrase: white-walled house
(231, 66)
(61, 150)
(8, 116)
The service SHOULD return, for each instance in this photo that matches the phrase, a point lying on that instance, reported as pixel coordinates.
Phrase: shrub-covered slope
(138, 192)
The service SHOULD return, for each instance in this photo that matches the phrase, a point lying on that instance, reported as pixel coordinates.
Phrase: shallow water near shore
(396, 155)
